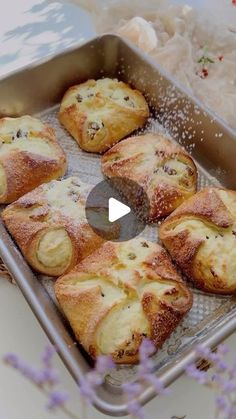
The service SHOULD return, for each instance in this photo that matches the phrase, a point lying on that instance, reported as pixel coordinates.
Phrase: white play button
(109, 217)
(117, 210)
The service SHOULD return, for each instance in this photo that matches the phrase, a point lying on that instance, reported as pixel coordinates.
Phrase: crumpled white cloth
(140, 32)
(175, 36)
(181, 37)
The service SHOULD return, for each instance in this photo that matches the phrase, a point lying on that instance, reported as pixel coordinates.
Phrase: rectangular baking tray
(38, 90)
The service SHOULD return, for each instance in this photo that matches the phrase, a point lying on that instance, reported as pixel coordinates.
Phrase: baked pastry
(50, 227)
(100, 113)
(165, 171)
(29, 156)
(201, 237)
(120, 294)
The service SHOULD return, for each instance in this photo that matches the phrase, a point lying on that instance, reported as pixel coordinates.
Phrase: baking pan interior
(38, 90)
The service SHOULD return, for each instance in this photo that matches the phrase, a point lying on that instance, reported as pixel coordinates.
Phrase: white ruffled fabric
(140, 32)
(175, 36)
(180, 37)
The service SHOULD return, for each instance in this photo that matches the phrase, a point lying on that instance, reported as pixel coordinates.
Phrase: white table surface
(29, 30)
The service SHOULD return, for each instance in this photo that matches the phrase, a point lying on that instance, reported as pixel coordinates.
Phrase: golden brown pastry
(201, 237)
(50, 227)
(120, 294)
(165, 171)
(29, 156)
(100, 113)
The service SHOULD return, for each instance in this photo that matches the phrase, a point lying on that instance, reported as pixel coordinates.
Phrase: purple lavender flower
(103, 364)
(220, 364)
(47, 356)
(33, 375)
(87, 390)
(232, 370)
(157, 384)
(37, 376)
(147, 348)
(26, 370)
(50, 376)
(11, 359)
(217, 378)
(221, 403)
(200, 376)
(95, 378)
(88, 385)
(229, 411)
(228, 386)
(215, 358)
(144, 375)
(223, 379)
(57, 399)
(146, 367)
(202, 351)
(223, 350)
(43, 377)
(135, 409)
(132, 391)
(218, 361)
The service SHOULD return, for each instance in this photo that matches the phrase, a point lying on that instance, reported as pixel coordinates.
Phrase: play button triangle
(109, 217)
(117, 210)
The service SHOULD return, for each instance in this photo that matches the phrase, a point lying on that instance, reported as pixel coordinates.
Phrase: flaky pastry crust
(120, 294)
(100, 113)
(164, 170)
(201, 237)
(29, 156)
(50, 227)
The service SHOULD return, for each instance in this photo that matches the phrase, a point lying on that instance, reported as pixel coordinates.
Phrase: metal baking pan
(38, 90)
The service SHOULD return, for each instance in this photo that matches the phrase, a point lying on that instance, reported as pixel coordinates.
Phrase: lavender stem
(64, 409)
